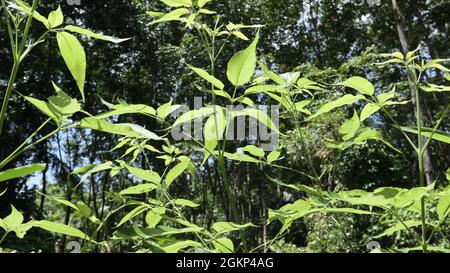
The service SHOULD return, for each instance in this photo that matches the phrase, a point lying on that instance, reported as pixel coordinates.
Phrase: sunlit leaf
(360, 84)
(205, 75)
(242, 65)
(400, 226)
(177, 170)
(61, 229)
(173, 15)
(94, 35)
(21, 171)
(368, 110)
(74, 57)
(55, 18)
(345, 100)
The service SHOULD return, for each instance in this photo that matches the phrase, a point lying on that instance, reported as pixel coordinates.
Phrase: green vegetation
(363, 150)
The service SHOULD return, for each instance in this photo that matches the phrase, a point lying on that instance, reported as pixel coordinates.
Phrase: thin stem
(15, 69)
(220, 158)
(404, 224)
(27, 27)
(14, 155)
(342, 230)
(436, 127)
(27, 140)
(397, 126)
(8, 92)
(420, 158)
(4, 237)
(8, 24)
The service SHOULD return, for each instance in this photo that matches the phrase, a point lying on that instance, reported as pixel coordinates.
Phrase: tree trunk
(412, 87)
(44, 186)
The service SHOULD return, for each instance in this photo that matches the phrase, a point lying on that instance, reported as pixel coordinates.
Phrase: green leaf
(368, 110)
(397, 55)
(345, 100)
(88, 170)
(61, 229)
(74, 57)
(239, 157)
(360, 84)
(173, 15)
(384, 97)
(400, 226)
(94, 35)
(205, 75)
(305, 83)
(45, 108)
(213, 131)
(411, 55)
(186, 203)
(447, 76)
(21, 171)
(164, 110)
(55, 18)
(176, 247)
(202, 3)
(21, 230)
(108, 127)
(242, 65)
(83, 209)
(240, 35)
(149, 176)
(273, 76)
(347, 210)
(156, 14)
(225, 227)
(121, 109)
(144, 133)
(385, 197)
(62, 104)
(207, 11)
(223, 245)
(178, 3)
(25, 8)
(246, 101)
(427, 132)
(350, 127)
(13, 220)
(298, 206)
(219, 93)
(253, 150)
(258, 115)
(389, 62)
(133, 213)
(436, 63)
(154, 216)
(443, 206)
(177, 170)
(195, 114)
(230, 26)
(62, 201)
(264, 89)
(373, 135)
(139, 189)
(273, 156)
(435, 88)
(429, 248)
(300, 106)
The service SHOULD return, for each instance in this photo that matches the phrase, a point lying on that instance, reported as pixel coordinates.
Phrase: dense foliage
(87, 126)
